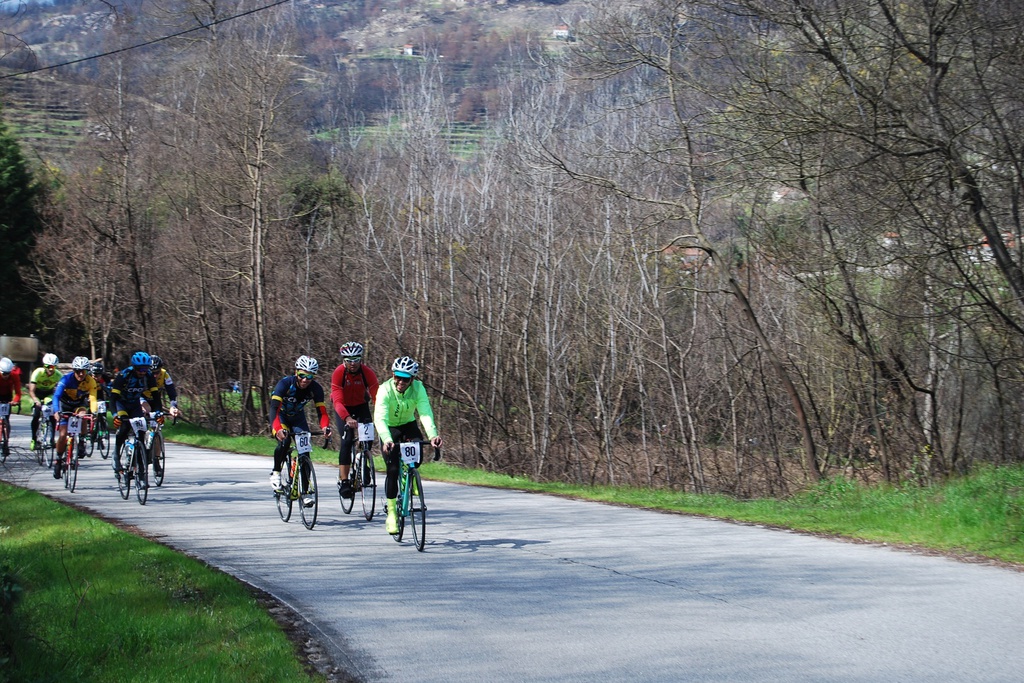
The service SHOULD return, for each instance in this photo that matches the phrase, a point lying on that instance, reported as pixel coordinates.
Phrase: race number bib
(47, 410)
(74, 425)
(5, 409)
(101, 406)
(303, 443)
(366, 432)
(138, 424)
(410, 453)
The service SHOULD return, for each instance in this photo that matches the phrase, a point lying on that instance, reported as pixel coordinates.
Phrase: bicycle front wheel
(417, 510)
(141, 473)
(368, 487)
(124, 477)
(40, 451)
(103, 439)
(309, 502)
(159, 459)
(283, 495)
(67, 458)
(5, 437)
(402, 501)
(49, 447)
(353, 481)
(72, 473)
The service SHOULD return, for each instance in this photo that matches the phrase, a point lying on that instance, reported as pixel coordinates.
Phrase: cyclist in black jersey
(288, 410)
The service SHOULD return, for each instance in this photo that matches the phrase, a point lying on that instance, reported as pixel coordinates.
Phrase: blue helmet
(141, 360)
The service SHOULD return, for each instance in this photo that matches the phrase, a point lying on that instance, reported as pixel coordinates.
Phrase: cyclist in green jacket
(41, 383)
(399, 400)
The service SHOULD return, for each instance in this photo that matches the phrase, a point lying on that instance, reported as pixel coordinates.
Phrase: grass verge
(81, 600)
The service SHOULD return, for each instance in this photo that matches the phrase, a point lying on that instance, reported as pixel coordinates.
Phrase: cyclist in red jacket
(10, 382)
(353, 386)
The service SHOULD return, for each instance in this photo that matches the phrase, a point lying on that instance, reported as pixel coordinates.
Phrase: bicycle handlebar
(437, 449)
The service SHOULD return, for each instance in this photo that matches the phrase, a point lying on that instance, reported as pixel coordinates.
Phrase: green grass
(981, 514)
(81, 600)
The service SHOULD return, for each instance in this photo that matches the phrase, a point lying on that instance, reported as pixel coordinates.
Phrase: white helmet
(307, 364)
(6, 365)
(351, 350)
(50, 359)
(405, 367)
(80, 363)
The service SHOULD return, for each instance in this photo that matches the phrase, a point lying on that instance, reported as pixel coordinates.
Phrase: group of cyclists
(398, 408)
(135, 391)
(354, 386)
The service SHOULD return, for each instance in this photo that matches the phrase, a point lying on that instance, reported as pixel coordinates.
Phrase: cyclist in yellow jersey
(398, 403)
(41, 384)
(164, 383)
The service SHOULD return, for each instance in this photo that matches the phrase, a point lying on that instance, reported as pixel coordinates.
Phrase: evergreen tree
(19, 224)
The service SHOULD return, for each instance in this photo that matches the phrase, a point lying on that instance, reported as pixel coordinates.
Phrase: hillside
(47, 108)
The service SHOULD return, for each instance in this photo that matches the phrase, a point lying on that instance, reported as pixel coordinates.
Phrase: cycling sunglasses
(304, 375)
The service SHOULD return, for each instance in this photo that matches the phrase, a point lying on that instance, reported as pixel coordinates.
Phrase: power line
(148, 42)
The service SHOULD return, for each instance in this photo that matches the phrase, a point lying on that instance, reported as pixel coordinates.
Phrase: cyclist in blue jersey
(73, 394)
(288, 410)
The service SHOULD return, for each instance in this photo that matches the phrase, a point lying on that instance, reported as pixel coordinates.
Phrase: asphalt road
(515, 586)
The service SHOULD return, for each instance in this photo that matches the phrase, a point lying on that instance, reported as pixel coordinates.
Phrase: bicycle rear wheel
(103, 439)
(124, 478)
(283, 495)
(159, 459)
(417, 510)
(141, 473)
(368, 485)
(89, 442)
(309, 502)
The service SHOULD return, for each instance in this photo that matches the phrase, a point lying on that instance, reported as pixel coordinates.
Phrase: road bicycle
(5, 431)
(135, 462)
(155, 447)
(298, 488)
(411, 504)
(362, 476)
(99, 436)
(78, 425)
(45, 434)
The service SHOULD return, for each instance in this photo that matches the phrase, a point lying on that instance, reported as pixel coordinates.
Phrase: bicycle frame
(298, 462)
(45, 432)
(361, 475)
(137, 466)
(78, 424)
(99, 435)
(411, 503)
